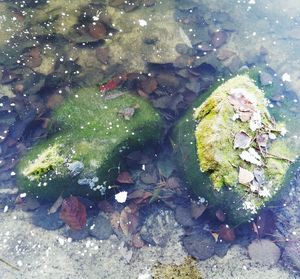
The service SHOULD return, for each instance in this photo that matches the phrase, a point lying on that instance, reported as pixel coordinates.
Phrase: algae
(206, 155)
(187, 270)
(88, 129)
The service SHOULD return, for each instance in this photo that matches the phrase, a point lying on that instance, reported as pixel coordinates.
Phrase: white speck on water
(22, 195)
(286, 77)
(5, 209)
(142, 22)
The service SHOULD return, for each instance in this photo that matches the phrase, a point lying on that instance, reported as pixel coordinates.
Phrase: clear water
(167, 53)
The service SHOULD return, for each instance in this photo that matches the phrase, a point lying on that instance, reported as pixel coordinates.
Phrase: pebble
(42, 219)
(200, 245)
(183, 216)
(100, 227)
(219, 38)
(158, 227)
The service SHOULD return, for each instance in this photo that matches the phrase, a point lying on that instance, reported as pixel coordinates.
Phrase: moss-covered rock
(231, 150)
(89, 138)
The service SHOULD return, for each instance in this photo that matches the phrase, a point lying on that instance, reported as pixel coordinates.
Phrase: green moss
(46, 161)
(87, 128)
(205, 153)
(187, 270)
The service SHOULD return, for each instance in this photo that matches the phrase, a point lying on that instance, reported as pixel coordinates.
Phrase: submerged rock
(231, 150)
(154, 40)
(87, 140)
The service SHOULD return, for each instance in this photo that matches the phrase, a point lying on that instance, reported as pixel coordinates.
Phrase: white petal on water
(121, 197)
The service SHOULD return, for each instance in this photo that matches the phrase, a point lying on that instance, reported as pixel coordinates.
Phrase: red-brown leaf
(220, 215)
(197, 210)
(226, 233)
(125, 178)
(73, 213)
(105, 206)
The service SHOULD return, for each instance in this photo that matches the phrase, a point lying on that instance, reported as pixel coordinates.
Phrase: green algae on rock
(187, 270)
(231, 150)
(87, 142)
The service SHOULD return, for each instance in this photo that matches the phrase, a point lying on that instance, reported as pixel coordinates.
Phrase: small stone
(219, 38)
(200, 245)
(264, 251)
(265, 78)
(183, 216)
(158, 227)
(100, 227)
(42, 219)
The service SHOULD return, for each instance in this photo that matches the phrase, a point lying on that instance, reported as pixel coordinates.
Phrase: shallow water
(167, 53)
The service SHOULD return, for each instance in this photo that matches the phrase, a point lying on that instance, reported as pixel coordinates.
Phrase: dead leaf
(137, 241)
(243, 103)
(245, 176)
(57, 204)
(73, 213)
(128, 221)
(265, 222)
(262, 140)
(242, 140)
(115, 220)
(173, 183)
(215, 236)
(197, 210)
(149, 85)
(125, 178)
(127, 113)
(251, 156)
(226, 233)
(139, 196)
(220, 215)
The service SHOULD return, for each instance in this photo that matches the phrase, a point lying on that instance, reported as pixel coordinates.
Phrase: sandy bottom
(38, 253)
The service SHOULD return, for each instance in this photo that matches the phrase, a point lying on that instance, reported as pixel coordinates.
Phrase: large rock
(143, 37)
(89, 138)
(231, 150)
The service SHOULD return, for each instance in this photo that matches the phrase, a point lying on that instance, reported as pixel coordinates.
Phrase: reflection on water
(162, 53)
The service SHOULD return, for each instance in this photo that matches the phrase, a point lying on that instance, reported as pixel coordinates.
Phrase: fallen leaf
(251, 156)
(173, 183)
(139, 195)
(57, 204)
(105, 206)
(128, 221)
(125, 178)
(73, 213)
(226, 233)
(245, 176)
(242, 140)
(137, 241)
(220, 215)
(115, 220)
(255, 121)
(148, 178)
(197, 210)
(215, 236)
(155, 195)
(262, 140)
(149, 85)
(265, 222)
